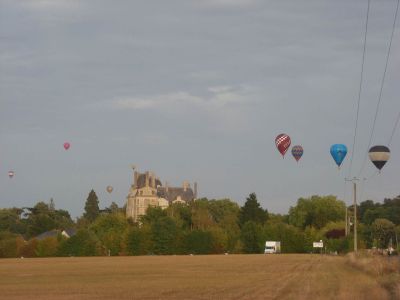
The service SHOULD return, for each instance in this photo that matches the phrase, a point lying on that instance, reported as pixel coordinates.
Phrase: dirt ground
(281, 276)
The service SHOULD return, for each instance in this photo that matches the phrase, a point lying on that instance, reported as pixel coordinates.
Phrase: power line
(394, 129)
(360, 88)
(381, 88)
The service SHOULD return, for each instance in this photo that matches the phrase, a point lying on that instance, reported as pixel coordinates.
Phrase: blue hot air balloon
(338, 152)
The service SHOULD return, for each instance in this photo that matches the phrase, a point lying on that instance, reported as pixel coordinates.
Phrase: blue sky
(192, 90)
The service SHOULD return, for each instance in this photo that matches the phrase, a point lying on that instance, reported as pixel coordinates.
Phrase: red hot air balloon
(67, 145)
(282, 142)
(11, 174)
(297, 152)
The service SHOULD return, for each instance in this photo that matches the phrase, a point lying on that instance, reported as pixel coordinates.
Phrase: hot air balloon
(109, 189)
(67, 145)
(297, 152)
(338, 152)
(379, 155)
(282, 142)
(11, 174)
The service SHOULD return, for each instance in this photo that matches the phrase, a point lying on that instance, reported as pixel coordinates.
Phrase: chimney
(185, 185)
(153, 180)
(195, 190)
(135, 178)
(166, 186)
(147, 178)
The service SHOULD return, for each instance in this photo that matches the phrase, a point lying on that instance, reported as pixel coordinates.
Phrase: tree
(291, 237)
(83, 243)
(382, 231)
(182, 215)
(10, 220)
(198, 242)
(47, 247)
(201, 216)
(138, 240)
(252, 238)
(41, 218)
(110, 229)
(165, 236)
(92, 206)
(316, 211)
(8, 245)
(252, 211)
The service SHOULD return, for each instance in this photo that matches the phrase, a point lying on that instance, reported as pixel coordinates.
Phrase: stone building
(147, 190)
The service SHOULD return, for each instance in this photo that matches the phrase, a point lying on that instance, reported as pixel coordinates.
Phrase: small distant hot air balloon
(109, 189)
(297, 152)
(282, 142)
(379, 155)
(338, 152)
(67, 145)
(11, 174)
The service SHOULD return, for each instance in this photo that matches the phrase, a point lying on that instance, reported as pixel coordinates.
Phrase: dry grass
(385, 268)
(187, 277)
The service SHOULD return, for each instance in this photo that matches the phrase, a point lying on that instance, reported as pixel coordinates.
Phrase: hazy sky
(193, 90)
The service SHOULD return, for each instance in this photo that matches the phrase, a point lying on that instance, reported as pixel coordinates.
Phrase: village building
(147, 190)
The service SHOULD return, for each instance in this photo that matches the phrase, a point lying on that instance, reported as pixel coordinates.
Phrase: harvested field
(187, 277)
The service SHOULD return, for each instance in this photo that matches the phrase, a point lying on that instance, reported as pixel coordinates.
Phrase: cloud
(49, 4)
(217, 97)
(231, 3)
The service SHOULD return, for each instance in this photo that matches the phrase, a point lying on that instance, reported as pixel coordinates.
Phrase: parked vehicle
(272, 247)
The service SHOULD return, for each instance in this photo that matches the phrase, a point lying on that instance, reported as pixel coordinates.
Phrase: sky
(197, 91)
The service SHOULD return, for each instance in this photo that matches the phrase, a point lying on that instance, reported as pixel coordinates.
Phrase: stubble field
(187, 277)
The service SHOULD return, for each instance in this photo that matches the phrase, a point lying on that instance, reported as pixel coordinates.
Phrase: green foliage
(41, 218)
(113, 209)
(91, 206)
(47, 247)
(311, 235)
(8, 245)
(370, 211)
(10, 220)
(291, 237)
(382, 231)
(164, 236)
(153, 214)
(202, 227)
(316, 211)
(252, 237)
(223, 209)
(198, 242)
(252, 211)
(29, 248)
(182, 215)
(341, 245)
(138, 240)
(201, 215)
(83, 243)
(110, 230)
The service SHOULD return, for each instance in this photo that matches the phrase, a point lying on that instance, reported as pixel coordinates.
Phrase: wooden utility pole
(355, 210)
(355, 213)
(347, 226)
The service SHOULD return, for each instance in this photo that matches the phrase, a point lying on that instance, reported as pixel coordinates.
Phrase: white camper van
(272, 247)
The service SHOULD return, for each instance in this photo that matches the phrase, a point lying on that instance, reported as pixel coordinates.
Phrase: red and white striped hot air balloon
(282, 142)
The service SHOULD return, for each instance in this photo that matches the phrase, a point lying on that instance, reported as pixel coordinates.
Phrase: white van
(272, 247)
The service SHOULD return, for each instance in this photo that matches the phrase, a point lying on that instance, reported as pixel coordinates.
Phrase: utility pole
(347, 219)
(355, 210)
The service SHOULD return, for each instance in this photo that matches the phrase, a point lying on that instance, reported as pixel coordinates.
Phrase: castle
(147, 190)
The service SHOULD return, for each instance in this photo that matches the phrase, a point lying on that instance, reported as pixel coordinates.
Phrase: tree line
(201, 227)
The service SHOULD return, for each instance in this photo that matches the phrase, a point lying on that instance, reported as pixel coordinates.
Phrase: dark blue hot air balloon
(338, 152)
